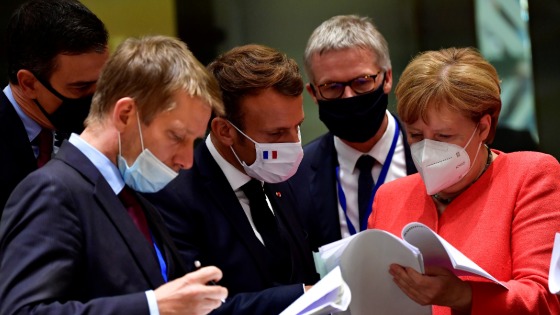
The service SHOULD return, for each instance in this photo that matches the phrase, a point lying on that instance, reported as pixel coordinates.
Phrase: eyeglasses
(359, 85)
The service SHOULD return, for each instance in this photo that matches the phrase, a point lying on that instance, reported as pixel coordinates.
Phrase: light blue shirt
(113, 176)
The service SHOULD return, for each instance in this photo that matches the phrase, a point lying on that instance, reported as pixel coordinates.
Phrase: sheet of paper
(554, 271)
(436, 251)
(330, 295)
(365, 268)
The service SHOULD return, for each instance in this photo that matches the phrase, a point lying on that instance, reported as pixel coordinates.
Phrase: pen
(197, 265)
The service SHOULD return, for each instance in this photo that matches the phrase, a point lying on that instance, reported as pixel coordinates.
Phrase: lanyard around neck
(378, 183)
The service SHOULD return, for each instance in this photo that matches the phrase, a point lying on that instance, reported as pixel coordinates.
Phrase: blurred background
(517, 36)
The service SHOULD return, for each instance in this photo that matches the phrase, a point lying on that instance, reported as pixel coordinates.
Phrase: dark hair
(39, 30)
(248, 70)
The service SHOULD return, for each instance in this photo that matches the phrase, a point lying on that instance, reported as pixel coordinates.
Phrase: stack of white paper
(364, 261)
(329, 295)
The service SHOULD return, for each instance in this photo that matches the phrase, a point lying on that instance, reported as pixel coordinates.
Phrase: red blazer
(505, 222)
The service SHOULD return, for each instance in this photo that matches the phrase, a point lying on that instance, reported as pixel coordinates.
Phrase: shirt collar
(348, 156)
(235, 177)
(108, 170)
(32, 128)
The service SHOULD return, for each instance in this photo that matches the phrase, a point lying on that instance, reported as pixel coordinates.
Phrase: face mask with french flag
(275, 162)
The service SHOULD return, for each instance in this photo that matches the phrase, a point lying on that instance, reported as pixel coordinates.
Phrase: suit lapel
(175, 265)
(323, 175)
(284, 207)
(111, 206)
(217, 186)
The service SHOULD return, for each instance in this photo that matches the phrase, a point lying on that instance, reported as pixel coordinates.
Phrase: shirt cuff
(152, 302)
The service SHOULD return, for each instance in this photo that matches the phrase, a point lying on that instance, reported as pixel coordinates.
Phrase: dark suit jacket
(208, 223)
(68, 246)
(315, 184)
(16, 155)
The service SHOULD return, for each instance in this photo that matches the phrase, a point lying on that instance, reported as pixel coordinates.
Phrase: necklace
(446, 201)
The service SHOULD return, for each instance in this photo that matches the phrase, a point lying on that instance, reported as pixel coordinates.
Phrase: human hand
(190, 294)
(307, 288)
(438, 286)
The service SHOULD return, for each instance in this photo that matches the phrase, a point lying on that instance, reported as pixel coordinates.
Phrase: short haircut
(347, 31)
(40, 30)
(457, 78)
(250, 69)
(151, 70)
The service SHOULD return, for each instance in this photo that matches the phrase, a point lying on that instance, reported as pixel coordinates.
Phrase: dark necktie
(134, 209)
(45, 145)
(365, 184)
(269, 227)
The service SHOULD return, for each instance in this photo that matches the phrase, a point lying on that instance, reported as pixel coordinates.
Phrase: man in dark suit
(75, 238)
(217, 212)
(349, 69)
(55, 50)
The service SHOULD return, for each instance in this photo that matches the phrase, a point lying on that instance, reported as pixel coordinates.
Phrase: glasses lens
(363, 84)
(331, 90)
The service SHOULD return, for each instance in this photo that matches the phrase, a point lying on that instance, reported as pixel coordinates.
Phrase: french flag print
(270, 155)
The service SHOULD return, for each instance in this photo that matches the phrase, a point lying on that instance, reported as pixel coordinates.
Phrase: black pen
(197, 266)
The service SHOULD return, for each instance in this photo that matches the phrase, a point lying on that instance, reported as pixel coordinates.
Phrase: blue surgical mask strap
(140, 130)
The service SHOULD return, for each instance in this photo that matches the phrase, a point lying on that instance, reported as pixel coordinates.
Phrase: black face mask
(70, 115)
(354, 119)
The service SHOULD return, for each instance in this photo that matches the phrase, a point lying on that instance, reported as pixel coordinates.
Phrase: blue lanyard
(379, 182)
(162, 264)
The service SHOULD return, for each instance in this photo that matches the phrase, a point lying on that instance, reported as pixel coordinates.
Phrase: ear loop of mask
(246, 136)
(477, 150)
(139, 130)
(231, 147)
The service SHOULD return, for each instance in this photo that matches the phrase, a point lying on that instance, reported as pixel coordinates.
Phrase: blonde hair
(347, 31)
(459, 78)
(151, 70)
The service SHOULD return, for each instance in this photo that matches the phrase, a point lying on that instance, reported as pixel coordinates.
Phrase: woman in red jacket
(500, 210)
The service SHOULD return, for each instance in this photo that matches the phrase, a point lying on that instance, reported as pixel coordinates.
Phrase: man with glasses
(349, 69)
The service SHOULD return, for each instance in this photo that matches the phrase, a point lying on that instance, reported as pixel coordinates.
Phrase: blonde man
(75, 237)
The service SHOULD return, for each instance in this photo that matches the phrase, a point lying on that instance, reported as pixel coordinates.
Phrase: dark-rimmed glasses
(360, 85)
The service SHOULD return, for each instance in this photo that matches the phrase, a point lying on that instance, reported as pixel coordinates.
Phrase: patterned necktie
(365, 184)
(45, 144)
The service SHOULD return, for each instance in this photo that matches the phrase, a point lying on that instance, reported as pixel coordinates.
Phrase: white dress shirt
(347, 158)
(236, 179)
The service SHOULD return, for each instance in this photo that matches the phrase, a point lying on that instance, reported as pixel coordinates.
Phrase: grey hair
(347, 31)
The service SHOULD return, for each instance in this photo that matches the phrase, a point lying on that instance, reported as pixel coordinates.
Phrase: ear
(223, 131)
(388, 83)
(484, 126)
(28, 82)
(124, 113)
(311, 90)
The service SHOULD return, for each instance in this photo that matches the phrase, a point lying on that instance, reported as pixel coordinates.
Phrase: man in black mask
(55, 49)
(349, 69)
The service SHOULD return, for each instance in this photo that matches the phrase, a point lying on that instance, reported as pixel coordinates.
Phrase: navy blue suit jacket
(315, 184)
(68, 246)
(16, 155)
(207, 222)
